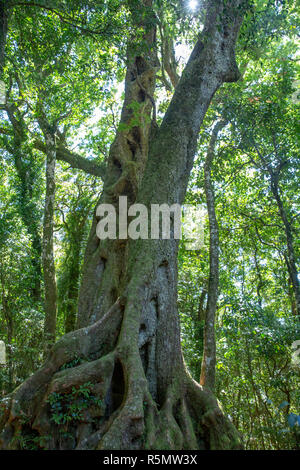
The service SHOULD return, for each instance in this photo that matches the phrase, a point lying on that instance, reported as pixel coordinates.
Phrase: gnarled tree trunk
(127, 348)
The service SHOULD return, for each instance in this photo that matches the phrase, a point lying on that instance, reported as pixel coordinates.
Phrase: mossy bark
(127, 347)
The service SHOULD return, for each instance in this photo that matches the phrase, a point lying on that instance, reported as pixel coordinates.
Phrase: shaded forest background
(60, 68)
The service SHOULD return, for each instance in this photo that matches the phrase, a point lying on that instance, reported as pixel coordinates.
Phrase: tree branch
(75, 160)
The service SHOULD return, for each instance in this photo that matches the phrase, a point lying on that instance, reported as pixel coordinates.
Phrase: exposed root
(28, 402)
(102, 400)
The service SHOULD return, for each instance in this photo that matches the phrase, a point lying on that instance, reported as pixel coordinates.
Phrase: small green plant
(32, 442)
(69, 408)
(76, 362)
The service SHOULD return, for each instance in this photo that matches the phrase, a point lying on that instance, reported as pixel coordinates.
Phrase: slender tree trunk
(291, 295)
(168, 59)
(290, 258)
(3, 33)
(48, 253)
(208, 368)
(256, 393)
(70, 307)
(10, 334)
(201, 306)
(129, 340)
(9, 346)
(27, 208)
(260, 282)
(8, 316)
(75, 227)
(29, 214)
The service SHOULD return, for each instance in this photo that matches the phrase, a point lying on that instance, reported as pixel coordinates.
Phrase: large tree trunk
(127, 350)
(104, 261)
